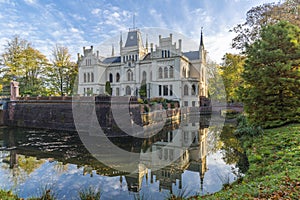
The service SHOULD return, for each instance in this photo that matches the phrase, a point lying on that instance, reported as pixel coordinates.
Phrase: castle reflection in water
(179, 146)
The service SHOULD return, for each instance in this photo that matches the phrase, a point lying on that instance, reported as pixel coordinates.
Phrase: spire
(147, 43)
(201, 38)
(112, 50)
(121, 43)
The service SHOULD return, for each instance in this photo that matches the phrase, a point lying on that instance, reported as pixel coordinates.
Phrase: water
(32, 160)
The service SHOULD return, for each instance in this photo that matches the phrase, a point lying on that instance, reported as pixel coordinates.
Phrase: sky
(78, 23)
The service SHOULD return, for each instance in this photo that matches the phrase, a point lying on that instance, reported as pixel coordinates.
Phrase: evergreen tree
(271, 76)
(143, 90)
(108, 89)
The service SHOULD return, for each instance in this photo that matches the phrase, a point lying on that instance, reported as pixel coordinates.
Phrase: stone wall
(57, 112)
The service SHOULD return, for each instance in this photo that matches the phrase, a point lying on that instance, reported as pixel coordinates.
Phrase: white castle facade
(165, 71)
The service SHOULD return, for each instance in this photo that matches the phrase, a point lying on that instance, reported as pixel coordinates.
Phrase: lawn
(274, 171)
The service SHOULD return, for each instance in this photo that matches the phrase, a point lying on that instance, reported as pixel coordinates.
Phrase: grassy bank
(274, 172)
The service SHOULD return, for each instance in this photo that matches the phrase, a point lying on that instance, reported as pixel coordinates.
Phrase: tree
(108, 89)
(216, 88)
(33, 69)
(143, 90)
(262, 15)
(62, 73)
(231, 74)
(270, 92)
(25, 64)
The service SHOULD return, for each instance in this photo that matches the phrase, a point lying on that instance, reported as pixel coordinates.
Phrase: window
(186, 90)
(84, 78)
(171, 90)
(186, 103)
(144, 77)
(171, 72)
(165, 90)
(118, 77)
(184, 73)
(117, 91)
(151, 75)
(136, 57)
(193, 92)
(88, 62)
(129, 75)
(159, 90)
(84, 92)
(123, 59)
(92, 77)
(110, 77)
(193, 103)
(162, 54)
(128, 90)
(166, 72)
(160, 73)
(89, 78)
(168, 54)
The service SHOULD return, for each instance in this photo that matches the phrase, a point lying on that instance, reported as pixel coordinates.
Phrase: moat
(207, 157)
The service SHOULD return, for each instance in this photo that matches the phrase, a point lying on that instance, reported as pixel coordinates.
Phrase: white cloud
(30, 1)
(96, 11)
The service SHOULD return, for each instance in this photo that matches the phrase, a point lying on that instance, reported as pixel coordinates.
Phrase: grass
(7, 195)
(274, 171)
(90, 194)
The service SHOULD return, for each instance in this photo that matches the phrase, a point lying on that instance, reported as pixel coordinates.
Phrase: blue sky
(78, 23)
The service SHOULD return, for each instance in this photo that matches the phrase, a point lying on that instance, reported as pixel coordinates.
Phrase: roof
(132, 39)
(192, 55)
(116, 59)
(147, 57)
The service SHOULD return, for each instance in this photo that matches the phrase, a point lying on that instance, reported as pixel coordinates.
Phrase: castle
(164, 71)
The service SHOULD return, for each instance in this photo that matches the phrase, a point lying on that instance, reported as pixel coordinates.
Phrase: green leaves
(270, 94)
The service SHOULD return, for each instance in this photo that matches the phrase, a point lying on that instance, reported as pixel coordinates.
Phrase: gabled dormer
(134, 49)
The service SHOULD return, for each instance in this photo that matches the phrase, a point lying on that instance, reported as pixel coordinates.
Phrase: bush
(244, 128)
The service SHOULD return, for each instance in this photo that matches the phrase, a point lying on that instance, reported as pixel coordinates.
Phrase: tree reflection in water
(187, 145)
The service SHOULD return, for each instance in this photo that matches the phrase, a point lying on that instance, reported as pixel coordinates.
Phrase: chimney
(92, 47)
(179, 42)
(151, 47)
(97, 54)
(78, 56)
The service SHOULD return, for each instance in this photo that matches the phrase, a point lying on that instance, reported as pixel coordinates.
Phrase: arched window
(186, 90)
(166, 72)
(193, 92)
(129, 75)
(118, 77)
(144, 77)
(84, 77)
(171, 72)
(89, 78)
(92, 77)
(110, 77)
(128, 90)
(160, 73)
(184, 73)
